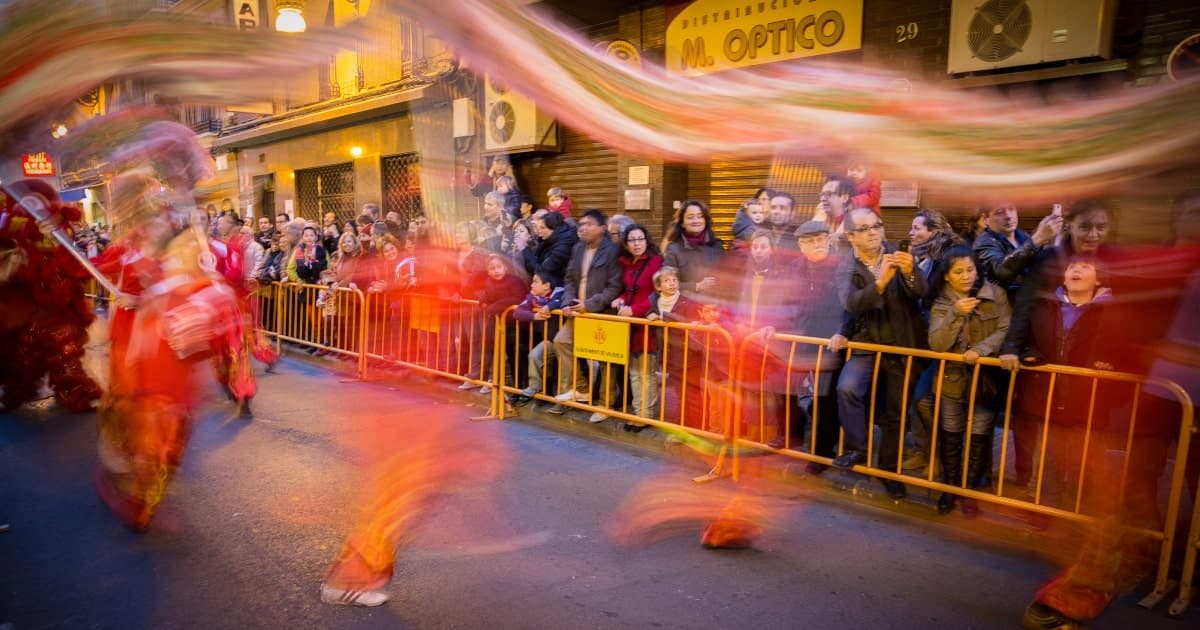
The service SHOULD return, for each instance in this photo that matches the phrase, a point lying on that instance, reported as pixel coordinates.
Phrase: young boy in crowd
(749, 219)
(543, 297)
(866, 186)
(559, 202)
(507, 186)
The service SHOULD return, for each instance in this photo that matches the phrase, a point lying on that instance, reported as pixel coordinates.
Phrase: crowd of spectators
(831, 274)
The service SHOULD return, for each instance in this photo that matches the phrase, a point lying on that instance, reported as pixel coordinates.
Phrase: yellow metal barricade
(684, 384)
(328, 321)
(1092, 441)
(1187, 589)
(96, 293)
(429, 333)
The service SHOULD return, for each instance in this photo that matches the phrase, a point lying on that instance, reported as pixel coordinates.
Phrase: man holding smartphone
(1005, 252)
(880, 287)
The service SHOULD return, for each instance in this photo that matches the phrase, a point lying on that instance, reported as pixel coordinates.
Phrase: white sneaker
(597, 417)
(567, 396)
(466, 385)
(350, 597)
(486, 389)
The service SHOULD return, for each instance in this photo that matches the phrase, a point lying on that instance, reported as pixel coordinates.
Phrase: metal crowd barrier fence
(698, 380)
(440, 336)
(329, 321)
(1066, 492)
(1187, 591)
(683, 383)
(96, 293)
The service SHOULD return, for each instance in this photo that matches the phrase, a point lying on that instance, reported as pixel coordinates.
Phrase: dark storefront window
(402, 185)
(326, 189)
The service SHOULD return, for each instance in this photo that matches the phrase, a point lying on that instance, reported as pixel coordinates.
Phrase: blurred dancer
(176, 313)
(415, 462)
(236, 255)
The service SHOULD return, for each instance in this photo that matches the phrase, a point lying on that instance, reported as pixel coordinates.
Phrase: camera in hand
(905, 245)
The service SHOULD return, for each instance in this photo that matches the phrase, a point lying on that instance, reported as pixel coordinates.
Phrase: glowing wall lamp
(289, 16)
(356, 152)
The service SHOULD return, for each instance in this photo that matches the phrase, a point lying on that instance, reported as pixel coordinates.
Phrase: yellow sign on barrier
(425, 313)
(601, 340)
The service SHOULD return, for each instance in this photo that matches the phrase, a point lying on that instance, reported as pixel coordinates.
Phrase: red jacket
(638, 280)
(564, 208)
(866, 194)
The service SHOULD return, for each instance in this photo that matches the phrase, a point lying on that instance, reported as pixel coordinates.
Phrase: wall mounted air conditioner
(515, 124)
(992, 34)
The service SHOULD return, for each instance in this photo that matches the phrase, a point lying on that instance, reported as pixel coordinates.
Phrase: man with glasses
(878, 286)
(834, 201)
(594, 280)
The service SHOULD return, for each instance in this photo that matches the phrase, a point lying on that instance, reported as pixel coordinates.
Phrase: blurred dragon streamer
(49, 57)
(980, 142)
(665, 506)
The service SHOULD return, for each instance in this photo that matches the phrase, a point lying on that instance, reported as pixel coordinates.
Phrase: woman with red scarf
(641, 261)
(693, 249)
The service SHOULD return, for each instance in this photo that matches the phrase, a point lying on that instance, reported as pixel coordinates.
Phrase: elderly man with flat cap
(819, 314)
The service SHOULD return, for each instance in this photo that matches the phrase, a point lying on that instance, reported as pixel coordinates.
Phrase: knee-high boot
(976, 460)
(950, 447)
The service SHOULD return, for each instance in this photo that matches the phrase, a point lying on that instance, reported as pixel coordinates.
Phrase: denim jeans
(854, 394)
(954, 417)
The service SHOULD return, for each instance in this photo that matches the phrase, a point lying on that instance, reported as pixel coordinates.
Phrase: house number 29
(906, 32)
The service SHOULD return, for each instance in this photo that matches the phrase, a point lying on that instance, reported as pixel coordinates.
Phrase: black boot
(950, 447)
(984, 480)
(976, 459)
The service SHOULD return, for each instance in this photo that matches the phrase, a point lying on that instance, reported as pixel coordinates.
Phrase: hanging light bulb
(289, 17)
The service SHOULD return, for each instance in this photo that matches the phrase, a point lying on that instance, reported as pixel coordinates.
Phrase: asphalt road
(260, 507)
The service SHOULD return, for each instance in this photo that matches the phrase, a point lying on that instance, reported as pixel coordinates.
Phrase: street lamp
(289, 16)
(58, 130)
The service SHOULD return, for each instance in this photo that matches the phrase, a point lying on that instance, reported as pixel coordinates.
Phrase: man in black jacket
(879, 287)
(1005, 252)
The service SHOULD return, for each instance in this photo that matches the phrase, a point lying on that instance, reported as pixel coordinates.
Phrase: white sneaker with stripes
(351, 597)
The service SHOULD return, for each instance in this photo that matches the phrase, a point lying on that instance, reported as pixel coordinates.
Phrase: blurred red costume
(44, 314)
(182, 317)
(232, 362)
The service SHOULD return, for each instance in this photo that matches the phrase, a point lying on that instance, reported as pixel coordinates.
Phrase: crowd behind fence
(701, 381)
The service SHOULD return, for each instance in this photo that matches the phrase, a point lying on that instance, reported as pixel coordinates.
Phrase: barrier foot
(1153, 599)
(1181, 603)
(492, 415)
(717, 470)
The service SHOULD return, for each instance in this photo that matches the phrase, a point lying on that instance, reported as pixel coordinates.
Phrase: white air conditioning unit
(992, 34)
(514, 124)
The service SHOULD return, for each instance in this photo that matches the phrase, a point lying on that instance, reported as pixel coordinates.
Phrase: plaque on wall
(637, 199)
(639, 175)
(896, 193)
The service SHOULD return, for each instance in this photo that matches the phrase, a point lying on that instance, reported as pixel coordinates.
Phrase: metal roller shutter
(586, 170)
(725, 184)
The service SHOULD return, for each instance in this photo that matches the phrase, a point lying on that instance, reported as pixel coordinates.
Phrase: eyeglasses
(863, 229)
(586, 224)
